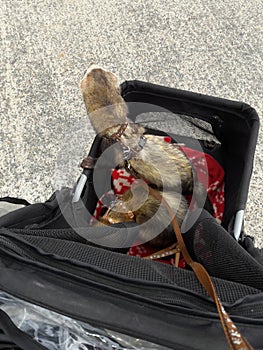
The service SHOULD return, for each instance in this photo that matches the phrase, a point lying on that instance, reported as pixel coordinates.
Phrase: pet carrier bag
(65, 284)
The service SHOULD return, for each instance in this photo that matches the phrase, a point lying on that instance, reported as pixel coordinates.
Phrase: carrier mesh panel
(177, 124)
(127, 266)
(115, 238)
(220, 253)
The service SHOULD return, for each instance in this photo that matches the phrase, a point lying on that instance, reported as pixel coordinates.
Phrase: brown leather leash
(164, 253)
(235, 340)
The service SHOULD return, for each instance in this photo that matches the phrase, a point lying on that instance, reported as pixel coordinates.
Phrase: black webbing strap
(14, 200)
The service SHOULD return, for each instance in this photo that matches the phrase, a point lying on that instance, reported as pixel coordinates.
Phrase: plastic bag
(57, 332)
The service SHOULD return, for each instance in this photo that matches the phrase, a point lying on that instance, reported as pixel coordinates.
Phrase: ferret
(161, 165)
(136, 204)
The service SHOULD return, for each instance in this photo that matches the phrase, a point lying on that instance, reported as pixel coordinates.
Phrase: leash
(235, 340)
(164, 253)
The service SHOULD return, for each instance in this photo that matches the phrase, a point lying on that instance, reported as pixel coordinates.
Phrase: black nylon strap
(14, 200)
(19, 338)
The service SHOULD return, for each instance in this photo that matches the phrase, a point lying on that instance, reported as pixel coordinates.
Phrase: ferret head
(101, 92)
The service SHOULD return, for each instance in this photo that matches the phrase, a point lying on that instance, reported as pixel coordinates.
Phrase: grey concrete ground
(213, 47)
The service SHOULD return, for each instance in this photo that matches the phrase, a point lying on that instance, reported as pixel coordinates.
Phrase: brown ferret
(136, 204)
(159, 164)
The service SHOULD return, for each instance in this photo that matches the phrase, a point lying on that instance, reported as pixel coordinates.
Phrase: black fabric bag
(51, 257)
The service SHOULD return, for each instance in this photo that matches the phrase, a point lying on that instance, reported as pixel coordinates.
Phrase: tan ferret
(146, 157)
(136, 204)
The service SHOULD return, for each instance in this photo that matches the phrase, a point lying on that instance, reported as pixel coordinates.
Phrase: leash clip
(126, 151)
(142, 142)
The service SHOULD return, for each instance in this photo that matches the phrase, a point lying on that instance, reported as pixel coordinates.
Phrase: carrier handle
(15, 200)
(235, 340)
